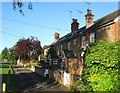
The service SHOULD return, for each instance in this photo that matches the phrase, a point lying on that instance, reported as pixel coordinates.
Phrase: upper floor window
(68, 45)
(92, 37)
(83, 41)
(74, 41)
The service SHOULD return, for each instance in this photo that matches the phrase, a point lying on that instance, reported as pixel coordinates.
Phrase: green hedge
(101, 65)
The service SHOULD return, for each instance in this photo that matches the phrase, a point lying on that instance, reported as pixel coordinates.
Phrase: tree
(28, 49)
(101, 68)
(5, 54)
(12, 55)
(8, 54)
(18, 4)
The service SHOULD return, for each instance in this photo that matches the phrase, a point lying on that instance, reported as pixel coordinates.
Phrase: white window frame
(92, 37)
(55, 61)
(69, 45)
(63, 59)
(83, 41)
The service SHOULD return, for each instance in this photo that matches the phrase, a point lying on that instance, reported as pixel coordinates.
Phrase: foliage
(101, 67)
(9, 54)
(72, 89)
(12, 55)
(5, 54)
(28, 49)
(42, 63)
(80, 85)
(18, 4)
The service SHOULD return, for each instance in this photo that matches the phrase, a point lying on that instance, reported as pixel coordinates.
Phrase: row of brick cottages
(67, 60)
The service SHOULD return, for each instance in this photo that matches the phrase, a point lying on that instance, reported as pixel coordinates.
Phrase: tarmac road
(30, 82)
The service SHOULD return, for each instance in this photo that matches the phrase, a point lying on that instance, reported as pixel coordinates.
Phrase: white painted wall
(66, 79)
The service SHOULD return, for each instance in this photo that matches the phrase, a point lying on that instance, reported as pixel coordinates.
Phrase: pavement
(27, 81)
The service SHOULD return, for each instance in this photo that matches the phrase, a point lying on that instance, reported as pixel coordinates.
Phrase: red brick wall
(116, 31)
(110, 33)
(106, 33)
(119, 29)
(39, 70)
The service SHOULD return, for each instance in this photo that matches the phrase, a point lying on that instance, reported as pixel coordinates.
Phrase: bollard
(4, 87)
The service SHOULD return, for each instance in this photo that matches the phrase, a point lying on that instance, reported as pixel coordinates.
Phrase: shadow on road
(27, 81)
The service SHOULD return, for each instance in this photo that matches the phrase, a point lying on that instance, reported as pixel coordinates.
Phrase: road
(30, 82)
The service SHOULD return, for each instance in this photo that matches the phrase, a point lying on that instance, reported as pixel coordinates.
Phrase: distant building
(68, 47)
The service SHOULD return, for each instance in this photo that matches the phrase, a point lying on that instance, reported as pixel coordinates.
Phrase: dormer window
(83, 41)
(92, 37)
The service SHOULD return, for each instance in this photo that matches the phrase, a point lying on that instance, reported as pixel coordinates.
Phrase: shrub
(101, 67)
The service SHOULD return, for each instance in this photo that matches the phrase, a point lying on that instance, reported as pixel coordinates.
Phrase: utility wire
(4, 28)
(10, 34)
(35, 25)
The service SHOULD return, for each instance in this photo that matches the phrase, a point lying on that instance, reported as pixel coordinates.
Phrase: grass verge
(9, 79)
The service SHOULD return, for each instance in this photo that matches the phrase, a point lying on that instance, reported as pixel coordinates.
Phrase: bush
(42, 63)
(72, 89)
(101, 67)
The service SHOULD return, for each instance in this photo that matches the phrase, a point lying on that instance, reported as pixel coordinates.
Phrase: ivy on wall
(101, 68)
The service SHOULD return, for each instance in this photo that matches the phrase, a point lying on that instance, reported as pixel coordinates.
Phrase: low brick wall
(39, 70)
(59, 76)
(51, 73)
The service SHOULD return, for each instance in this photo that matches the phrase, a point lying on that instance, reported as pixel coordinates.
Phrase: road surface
(30, 82)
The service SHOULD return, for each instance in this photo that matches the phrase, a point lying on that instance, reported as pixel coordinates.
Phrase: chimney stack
(89, 18)
(74, 26)
(56, 36)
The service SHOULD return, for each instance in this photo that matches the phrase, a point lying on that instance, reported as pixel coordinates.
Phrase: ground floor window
(55, 61)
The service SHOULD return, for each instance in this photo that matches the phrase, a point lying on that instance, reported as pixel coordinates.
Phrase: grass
(9, 79)
(5, 68)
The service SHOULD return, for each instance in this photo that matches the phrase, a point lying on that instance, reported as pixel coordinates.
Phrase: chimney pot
(74, 26)
(56, 36)
(89, 18)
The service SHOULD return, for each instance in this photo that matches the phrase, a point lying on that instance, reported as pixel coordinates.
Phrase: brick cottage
(68, 57)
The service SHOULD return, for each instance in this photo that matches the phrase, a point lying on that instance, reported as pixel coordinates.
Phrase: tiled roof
(104, 20)
(69, 53)
(98, 23)
(53, 55)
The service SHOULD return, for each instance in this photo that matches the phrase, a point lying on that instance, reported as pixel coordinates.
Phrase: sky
(45, 19)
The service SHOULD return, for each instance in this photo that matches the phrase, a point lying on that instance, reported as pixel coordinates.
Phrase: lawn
(9, 79)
